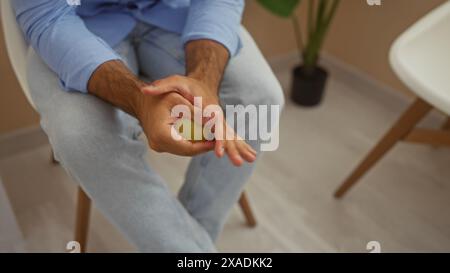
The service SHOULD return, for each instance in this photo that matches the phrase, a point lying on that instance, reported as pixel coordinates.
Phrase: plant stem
(310, 18)
(332, 12)
(323, 28)
(311, 51)
(298, 34)
(321, 12)
(317, 37)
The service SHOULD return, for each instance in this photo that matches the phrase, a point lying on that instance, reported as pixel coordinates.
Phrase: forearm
(206, 61)
(115, 83)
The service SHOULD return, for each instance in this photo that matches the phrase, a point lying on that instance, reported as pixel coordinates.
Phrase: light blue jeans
(99, 146)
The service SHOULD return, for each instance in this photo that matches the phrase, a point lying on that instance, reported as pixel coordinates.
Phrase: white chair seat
(421, 58)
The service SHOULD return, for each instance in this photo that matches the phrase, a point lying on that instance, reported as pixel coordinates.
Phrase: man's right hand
(115, 83)
(154, 113)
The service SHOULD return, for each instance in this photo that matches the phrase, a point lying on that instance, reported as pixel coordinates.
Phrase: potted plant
(309, 79)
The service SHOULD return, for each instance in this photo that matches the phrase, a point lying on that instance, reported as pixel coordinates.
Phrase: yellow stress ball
(187, 128)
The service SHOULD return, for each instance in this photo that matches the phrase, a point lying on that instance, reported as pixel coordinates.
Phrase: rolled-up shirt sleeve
(217, 20)
(60, 37)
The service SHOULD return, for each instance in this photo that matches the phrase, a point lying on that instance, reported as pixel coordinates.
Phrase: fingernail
(220, 152)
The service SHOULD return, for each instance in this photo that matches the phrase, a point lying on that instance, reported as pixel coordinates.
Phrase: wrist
(211, 87)
(206, 61)
(142, 104)
(114, 83)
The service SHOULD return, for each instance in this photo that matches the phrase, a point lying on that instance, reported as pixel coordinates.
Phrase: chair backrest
(16, 46)
(421, 57)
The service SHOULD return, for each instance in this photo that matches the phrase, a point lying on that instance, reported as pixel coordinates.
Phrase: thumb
(166, 86)
(156, 90)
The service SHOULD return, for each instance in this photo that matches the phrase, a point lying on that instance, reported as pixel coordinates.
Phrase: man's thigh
(99, 146)
(71, 119)
(160, 54)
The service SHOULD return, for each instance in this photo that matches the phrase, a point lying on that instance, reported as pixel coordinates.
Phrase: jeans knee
(267, 92)
(68, 142)
(266, 124)
(273, 94)
(73, 137)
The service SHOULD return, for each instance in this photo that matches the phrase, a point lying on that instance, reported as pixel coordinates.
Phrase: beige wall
(15, 112)
(361, 36)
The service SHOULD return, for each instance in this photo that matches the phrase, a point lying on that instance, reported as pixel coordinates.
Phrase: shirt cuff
(232, 44)
(215, 20)
(86, 63)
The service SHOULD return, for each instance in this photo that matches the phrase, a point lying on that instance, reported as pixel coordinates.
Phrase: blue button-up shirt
(75, 40)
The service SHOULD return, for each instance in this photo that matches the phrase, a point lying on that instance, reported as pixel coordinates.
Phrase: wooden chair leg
(82, 219)
(52, 158)
(400, 130)
(446, 125)
(247, 210)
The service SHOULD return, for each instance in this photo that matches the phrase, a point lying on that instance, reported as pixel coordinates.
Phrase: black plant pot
(308, 88)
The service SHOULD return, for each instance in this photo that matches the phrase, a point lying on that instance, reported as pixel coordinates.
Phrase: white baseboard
(343, 72)
(353, 77)
(21, 140)
(11, 238)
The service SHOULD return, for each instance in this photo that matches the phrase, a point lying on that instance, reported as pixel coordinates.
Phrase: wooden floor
(403, 203)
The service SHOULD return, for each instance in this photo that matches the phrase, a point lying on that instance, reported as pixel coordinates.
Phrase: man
(83, 80)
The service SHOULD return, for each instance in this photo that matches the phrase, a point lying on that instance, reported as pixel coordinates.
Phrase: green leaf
(283, 8)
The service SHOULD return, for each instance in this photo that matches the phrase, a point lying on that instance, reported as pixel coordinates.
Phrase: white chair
(17, 50)
(421, 59)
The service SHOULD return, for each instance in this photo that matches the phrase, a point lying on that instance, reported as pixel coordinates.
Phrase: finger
(169, 85)
(179, 146)
(244, 144)
(171, 120)
(250, 148)
(194, 110)
(183, 147)
(183, 101)
(220, 145)
(245, 152)
(219, 148)
(233, 153)
(187, 148)
(165, 85)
